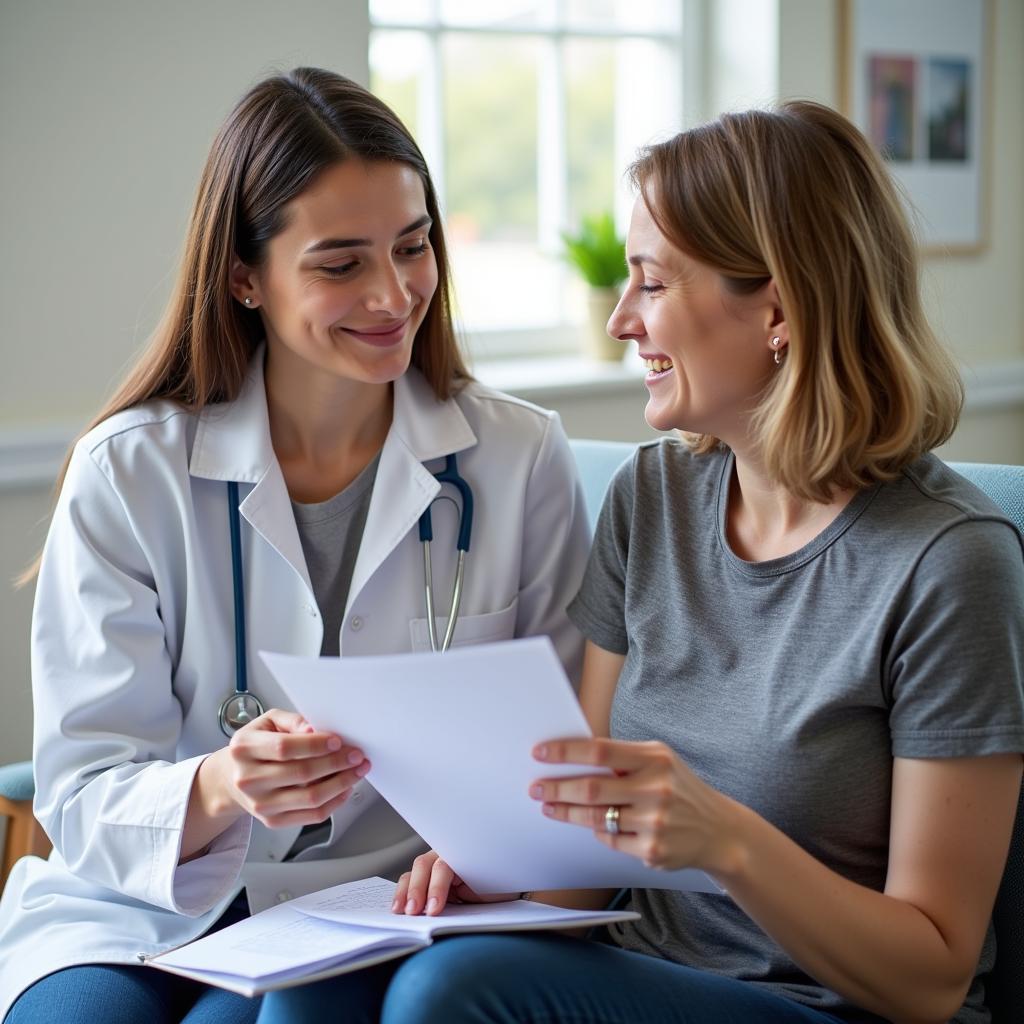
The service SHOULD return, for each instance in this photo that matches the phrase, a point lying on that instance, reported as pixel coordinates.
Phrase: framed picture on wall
(914, 78)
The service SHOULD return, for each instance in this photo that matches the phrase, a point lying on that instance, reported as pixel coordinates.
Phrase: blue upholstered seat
(16, 782)
(1005, 486)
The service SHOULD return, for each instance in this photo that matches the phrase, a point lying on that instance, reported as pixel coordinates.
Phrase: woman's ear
(776, 328)
(244, 284)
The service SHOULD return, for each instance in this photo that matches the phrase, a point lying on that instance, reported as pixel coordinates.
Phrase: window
(528, 112)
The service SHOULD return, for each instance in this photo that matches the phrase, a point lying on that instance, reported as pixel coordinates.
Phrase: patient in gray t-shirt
(791, 684)
(805, 661)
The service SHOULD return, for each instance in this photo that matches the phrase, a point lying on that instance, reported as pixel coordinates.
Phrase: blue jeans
(107, 994)
(115, 994)
(511, 979)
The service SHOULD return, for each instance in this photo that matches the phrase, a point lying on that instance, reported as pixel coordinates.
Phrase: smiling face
(347, 282)
(708, 350)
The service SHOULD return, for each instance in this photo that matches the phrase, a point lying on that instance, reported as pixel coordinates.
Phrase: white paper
(450, 737)
(279, 941)
(368, 903)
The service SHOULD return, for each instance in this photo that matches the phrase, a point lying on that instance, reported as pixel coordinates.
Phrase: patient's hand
(431, 884)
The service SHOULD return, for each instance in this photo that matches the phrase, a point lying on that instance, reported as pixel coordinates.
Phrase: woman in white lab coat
(307, 356)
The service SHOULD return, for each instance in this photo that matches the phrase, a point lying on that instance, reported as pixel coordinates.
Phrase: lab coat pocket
(469, 629)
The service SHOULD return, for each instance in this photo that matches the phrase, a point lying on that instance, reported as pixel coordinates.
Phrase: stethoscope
(242, 706)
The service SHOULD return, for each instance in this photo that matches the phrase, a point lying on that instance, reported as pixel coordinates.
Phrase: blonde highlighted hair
(798, 196)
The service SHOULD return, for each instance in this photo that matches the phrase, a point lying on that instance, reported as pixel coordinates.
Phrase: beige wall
(106, 111)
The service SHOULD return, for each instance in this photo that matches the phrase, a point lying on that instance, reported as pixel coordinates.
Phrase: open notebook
(343, 929)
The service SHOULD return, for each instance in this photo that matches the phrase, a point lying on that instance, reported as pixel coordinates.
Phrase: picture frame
(915, 77)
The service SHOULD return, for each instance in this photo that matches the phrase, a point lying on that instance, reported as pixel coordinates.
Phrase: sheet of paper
(449, 737)
(278, 941)
(368, 903)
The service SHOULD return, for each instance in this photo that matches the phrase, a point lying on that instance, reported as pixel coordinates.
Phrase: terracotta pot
(600, 303)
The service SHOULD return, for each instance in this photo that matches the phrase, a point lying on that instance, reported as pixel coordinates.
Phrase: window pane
(505, 286)
(383, 12)
(631, 15)
(648, 106)
(498, 13)
(397, 63)
(490, 98)
(590, 145)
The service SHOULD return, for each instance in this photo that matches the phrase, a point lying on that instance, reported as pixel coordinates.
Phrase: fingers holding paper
(278, 769)
(283, 772)
(651, 806)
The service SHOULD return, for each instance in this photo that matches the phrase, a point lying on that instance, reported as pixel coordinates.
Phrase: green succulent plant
(597, 251)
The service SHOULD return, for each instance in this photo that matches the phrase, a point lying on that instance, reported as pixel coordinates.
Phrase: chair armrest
(17, 782)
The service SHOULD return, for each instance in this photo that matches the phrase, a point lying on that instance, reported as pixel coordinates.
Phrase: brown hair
(279, 137)
(798, 196)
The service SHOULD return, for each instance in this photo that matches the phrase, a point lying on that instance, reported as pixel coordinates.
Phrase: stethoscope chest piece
(237, 710)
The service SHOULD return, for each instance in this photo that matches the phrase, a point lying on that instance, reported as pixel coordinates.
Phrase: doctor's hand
(667, 816)
(431, 884)
(280, 770)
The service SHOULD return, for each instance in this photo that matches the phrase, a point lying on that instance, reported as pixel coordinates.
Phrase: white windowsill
(546, 379)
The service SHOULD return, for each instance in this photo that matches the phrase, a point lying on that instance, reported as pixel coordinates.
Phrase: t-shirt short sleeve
(956, 661)
(599, 609)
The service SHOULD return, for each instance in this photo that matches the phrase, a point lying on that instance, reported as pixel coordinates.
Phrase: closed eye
(413, 251)
(341, 270)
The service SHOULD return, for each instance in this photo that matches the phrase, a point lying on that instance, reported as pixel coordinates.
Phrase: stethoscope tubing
(449, 475)
(238, 588)
(428, 594)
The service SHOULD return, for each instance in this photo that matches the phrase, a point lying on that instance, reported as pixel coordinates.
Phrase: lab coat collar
(429, 428)
(422, 429)
(233, 439)
(233, 443)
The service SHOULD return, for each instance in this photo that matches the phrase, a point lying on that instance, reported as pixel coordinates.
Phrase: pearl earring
(775, 345)
(248, 301)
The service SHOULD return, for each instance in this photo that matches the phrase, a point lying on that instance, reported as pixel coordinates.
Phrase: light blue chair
(597, 462)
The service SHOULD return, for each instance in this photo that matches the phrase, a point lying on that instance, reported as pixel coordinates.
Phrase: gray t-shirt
(791, 684)
(331, 532)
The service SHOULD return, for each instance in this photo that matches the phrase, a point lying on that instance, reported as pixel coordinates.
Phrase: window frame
(486, 344)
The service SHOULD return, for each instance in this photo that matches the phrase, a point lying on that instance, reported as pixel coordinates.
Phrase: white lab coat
(133, 647)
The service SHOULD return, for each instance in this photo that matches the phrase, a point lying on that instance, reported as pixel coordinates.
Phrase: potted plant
(599, 254)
